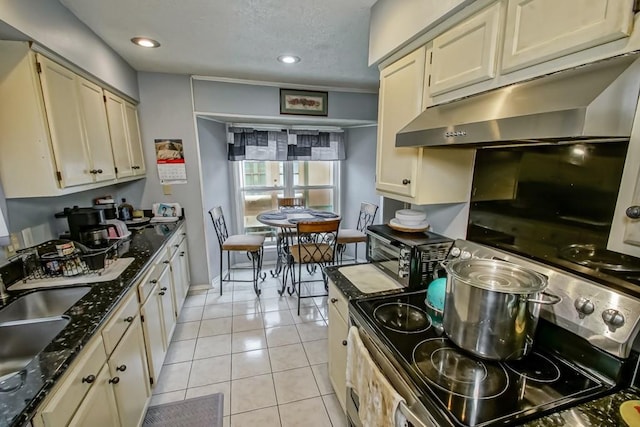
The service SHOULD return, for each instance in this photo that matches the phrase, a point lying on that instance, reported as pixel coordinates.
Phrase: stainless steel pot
(491, 307)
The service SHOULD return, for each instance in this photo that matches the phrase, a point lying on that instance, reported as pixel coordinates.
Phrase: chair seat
(311, 252)
(351, 235)
(243, 242)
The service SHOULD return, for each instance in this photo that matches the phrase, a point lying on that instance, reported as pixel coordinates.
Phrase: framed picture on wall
(302, 102)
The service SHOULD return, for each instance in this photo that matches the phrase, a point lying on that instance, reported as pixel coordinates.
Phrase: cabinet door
(133, 137)
(96, 129)
(180, 275)
(466, 54)
(60, 93)
(540, 30)
(119, 134)
(166, 299)
(400, 101)
(337, 339)
(152, 328)
(99, 406)
(128, 363)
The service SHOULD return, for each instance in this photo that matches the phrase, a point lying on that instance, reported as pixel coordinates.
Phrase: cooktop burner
(460, 389)
(451, 370)
(402, 317)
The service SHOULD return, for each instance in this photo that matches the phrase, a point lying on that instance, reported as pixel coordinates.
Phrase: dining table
(286, 219)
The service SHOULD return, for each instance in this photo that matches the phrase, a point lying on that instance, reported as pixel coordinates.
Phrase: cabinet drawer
(73, 388)
(119, 322)
(151, 278)
(174, 243)
(339, 301)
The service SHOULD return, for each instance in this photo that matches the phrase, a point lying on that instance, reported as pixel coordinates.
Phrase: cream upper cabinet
(97, 131)
(400, 100)
(466, 53)
(125, 136)
(540, 30)
(415, 175)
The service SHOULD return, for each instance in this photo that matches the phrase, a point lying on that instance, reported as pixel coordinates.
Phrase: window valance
(284, 144)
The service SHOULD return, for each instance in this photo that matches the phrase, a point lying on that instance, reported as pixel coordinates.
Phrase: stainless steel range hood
(592, 102)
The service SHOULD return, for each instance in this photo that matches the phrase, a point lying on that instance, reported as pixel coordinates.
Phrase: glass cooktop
(467, 390)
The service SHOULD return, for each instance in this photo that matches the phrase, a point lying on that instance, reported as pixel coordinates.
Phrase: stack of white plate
(407, 219)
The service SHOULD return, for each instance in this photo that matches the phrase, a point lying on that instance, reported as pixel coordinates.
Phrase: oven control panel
(606, 318)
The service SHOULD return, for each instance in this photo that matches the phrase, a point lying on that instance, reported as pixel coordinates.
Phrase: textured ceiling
(240, 38)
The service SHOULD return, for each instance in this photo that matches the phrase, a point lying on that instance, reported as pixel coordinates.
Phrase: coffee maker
(87, 225)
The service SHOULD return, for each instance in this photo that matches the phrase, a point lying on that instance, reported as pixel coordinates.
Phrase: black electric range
(454, 388)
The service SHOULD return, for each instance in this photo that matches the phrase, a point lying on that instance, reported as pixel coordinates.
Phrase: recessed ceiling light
(288, 59)
(145, 42)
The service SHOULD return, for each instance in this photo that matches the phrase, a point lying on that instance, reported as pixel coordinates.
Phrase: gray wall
(358, 179)
(216, 185)
(166, 111)
(52, 26)
(250, 100)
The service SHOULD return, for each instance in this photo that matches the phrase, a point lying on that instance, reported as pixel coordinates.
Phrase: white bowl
(410, 217)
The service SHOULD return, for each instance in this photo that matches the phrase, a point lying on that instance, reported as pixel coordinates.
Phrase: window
(258, 184)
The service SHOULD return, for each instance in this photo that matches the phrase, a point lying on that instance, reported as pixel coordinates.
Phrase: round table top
(288, 218)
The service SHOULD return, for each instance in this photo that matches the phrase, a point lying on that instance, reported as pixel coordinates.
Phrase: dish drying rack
(42, 261)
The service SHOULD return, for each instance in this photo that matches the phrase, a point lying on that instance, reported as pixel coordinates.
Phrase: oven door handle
(410, 416)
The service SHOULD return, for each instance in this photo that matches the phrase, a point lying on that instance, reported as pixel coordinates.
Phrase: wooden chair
(315, 245)
(283, 235)
(347, 235)
(251, 244)
(291, 202)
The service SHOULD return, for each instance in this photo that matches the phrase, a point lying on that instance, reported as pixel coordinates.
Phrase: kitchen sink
(23, 342)
(41, 304)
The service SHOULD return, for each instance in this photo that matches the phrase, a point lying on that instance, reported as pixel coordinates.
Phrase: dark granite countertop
(20, 395)
(599, 412)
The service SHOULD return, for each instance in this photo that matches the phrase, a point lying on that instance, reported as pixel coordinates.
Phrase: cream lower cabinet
(129, 377)
(151, 312)
(166, 297)
(125, 136)
(180, 273)
(415, 175)
(111, 372)
(337, 342)
(540, 30)
(99, 407)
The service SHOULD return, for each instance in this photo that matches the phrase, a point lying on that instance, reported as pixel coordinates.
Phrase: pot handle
(553, 299)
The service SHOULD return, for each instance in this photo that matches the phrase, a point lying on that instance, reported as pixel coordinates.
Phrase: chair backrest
(219, 224)
(291, 202)
(367, 215)
(316, 241)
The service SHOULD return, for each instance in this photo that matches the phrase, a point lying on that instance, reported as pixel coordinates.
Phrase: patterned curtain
(253, 144)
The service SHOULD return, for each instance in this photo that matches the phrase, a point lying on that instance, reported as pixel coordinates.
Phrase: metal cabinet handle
(161, 293)
(114, 380)
(406, 181)
(176, 246)
(129, 319)
(334, 300)
(89, 379)
(165, 262)
(163, 289)
(344, 342)
(99, 171)
(154, 281)
(184, 234)
(121, 368)
(181, 253)
(633, 212)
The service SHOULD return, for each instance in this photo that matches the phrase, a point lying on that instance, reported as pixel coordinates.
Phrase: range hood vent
(592, 102)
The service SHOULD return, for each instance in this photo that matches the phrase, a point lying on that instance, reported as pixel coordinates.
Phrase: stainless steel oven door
(405, 416)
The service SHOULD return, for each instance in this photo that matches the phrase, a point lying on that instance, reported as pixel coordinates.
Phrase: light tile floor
(270, 363)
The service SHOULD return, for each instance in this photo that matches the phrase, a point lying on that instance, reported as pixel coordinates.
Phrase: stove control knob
(455, 252)
(584, 307)
(613, 318)
(402, 273)
(465, 255)
(405, 253)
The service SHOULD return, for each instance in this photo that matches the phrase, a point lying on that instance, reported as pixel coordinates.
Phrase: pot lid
(498, 276)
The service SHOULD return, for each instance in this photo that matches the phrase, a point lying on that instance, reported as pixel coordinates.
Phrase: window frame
(288, 189)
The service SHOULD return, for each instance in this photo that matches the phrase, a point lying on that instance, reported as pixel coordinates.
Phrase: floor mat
(203, 411)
